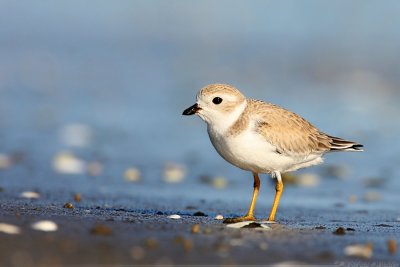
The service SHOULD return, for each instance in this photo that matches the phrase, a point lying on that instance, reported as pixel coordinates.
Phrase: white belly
(250, 151)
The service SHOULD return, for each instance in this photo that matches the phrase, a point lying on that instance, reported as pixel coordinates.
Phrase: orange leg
(278, 192)
(250, 214)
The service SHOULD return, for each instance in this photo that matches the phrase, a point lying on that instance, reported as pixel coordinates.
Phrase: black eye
(217, 100)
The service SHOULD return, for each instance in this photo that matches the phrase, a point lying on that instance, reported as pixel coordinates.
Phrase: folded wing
(293, 135)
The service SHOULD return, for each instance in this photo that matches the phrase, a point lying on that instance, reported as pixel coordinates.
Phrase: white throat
(220, 123)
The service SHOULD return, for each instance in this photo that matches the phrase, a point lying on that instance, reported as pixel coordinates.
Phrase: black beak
(192, 110)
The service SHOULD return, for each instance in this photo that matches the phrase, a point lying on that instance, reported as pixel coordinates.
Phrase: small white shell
(372, 196)
(46, 226)
(68, 163)
(95, 168)
(219, 217)
(132, 174)
(76, 134)
(219, 182)
(174, 173)
(29, 194)
(359, 250)
(9, 229)
(5, 161)
(174, 216)
(308, 180)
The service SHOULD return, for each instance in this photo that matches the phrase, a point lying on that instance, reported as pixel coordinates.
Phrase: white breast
(251, 151)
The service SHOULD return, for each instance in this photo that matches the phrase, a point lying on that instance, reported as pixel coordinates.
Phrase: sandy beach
(127, 236)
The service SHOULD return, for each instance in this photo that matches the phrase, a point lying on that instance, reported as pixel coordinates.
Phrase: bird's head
(219, 105)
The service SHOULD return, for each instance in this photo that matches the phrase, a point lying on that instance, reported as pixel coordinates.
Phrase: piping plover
(261, 137)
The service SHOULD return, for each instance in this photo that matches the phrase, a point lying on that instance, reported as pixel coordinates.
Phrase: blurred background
(91, 96)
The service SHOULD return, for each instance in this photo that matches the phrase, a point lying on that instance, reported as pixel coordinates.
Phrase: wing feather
(289, 132)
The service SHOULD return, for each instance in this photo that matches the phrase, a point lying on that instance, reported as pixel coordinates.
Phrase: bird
(262, 138)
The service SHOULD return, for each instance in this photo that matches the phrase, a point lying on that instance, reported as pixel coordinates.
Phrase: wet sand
(117, 235)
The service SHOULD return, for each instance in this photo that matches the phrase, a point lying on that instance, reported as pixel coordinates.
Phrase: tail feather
(339, 144)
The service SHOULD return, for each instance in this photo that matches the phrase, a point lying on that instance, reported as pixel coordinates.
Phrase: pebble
(205, 179)
(372, 196)
(68, 205)
(222, 248)
(179, 239)
(174, 216)
(207, 231)
(163, 261)
(219, 217)
(137, 253)
(263, 246)
(67, 163)
(340, 231)
(288, 178)
(95, 168)
(132, 175)
(5, 161)
(392, 246)
(219, 182)
(9, 229)
(151, 243)
(374, 182)
(45, 225)
(29, 194)
(174, 173)
(187, 244)
(352, 199)
(195, 229)
(336, 171)
(77, 197)
(236, 242)
(339, 205)
(308, 180)
(305, 179)
(101, 229)
(76, 134)
(359, 250)
(199, 213)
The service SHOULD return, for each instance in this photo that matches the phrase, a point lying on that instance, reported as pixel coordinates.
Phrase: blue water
(128, 69)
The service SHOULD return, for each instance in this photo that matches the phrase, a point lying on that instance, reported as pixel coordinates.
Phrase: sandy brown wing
(290, 133)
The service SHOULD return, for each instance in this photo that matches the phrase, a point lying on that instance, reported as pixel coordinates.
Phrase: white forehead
(224, 95)
(226, 92)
